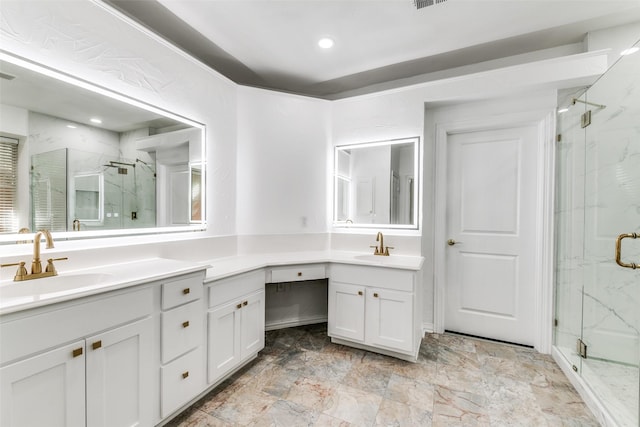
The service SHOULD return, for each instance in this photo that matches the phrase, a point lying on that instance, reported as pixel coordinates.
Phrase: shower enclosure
(597, 318)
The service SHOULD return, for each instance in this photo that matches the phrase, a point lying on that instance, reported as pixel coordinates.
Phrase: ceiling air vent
(424, 3)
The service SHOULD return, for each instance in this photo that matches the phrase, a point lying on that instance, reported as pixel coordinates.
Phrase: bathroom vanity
(136, 343)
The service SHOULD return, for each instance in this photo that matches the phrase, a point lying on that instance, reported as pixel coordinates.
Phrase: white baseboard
(290, 323)
(428, 328)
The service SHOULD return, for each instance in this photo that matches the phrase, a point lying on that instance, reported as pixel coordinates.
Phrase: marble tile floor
(302, 379)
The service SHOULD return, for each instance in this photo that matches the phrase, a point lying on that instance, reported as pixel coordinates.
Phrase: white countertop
(69, 285)
(225, 267)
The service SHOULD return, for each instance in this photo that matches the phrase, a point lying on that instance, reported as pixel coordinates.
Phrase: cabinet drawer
(181, 380)
(386, 278)
(297, 273)
(181, 330)
(232, 288)
(181, 291)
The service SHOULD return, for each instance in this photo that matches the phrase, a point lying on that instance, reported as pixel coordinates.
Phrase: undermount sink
(399, 261)
(51, 286)
(374, 258)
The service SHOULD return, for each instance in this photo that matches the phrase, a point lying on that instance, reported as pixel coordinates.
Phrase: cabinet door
(390, 319)
(45, 390)
(252, 326)
(223, 340)
(346, 311)
(119, 376)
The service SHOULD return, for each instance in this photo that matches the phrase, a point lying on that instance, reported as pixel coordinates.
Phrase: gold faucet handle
(375, 252)
(386, 250)
(21, 273)
(50, 267)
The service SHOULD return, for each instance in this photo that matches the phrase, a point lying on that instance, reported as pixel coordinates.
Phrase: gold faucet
(36, 264)
(381, 250)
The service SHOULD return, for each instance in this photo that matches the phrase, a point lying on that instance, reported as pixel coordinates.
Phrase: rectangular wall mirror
(86, 161)
(376, 184)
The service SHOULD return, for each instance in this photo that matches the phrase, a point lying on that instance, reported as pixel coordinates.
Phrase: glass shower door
(611, 293)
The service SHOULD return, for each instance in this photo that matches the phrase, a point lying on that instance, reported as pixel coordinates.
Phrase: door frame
(544, 120)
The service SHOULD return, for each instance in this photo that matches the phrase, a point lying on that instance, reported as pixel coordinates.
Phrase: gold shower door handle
(632, 265)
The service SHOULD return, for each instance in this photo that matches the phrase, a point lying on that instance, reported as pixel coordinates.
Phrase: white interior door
(491, 223)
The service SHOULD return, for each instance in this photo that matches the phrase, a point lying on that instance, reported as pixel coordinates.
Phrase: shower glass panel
(598, 198)
(49, 190)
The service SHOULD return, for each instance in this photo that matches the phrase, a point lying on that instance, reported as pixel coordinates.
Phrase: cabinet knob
(239, 306)
(359, 292)
(96, 345)
(185, 324)
(185, 375)
(245, 303)
(77, 352)
(375, 295)
(299, 273)
(186, 291)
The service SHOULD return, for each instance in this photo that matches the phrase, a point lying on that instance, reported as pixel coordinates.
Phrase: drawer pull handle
(185, 324)
(77, 352)
(360, 293)
(185, 375)
(245, 303)
(186, 291)
(375, 295)
(239, 306)
(299, 273)
(96, 345)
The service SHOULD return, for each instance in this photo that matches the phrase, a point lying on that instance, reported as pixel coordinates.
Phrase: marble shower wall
(598, 198)
(89, 150)
(611, 322)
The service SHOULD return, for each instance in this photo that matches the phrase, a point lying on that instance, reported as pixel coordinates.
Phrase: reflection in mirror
(196, 192)
(82, 158)
(89, 197)
(374, 183)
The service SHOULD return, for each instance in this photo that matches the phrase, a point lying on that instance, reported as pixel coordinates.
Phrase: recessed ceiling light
(563, 110)
(630, 51)
(325, 43)
(95, 120)
(71, 126)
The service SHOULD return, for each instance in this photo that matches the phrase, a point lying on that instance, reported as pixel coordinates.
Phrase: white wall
(616, 39)
(282, 163)
(401, 113)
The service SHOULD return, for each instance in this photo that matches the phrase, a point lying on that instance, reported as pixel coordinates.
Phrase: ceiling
(273, 43)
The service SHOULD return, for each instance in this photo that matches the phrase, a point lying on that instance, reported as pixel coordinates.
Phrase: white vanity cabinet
(235, 322)
(45, 390)
(181, 342)
(57, 371)
(375, 308)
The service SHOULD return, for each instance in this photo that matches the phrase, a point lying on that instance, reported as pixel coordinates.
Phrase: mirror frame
(417, 179)
(14, 238)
